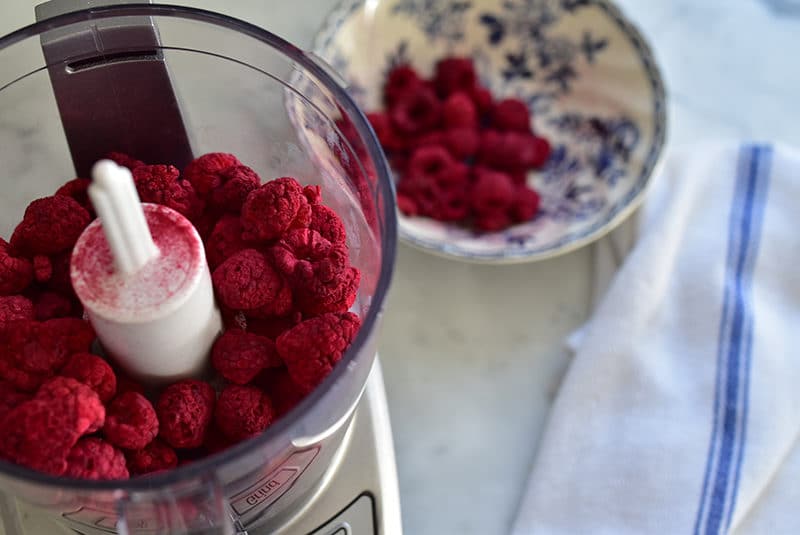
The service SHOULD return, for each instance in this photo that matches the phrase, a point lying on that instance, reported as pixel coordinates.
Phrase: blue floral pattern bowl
(588, 76)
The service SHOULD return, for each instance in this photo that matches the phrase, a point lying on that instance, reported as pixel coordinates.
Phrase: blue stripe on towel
(726, 448)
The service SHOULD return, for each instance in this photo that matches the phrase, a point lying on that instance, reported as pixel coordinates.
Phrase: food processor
(166, 84)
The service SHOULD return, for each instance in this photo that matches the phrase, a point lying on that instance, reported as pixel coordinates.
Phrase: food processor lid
(112, 14)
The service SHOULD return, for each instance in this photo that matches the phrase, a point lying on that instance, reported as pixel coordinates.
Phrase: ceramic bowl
(588, 76)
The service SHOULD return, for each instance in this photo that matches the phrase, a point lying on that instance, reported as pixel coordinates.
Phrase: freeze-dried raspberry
(525, 204)
(246, 281)
(312, 348)
(284, 393)
(224, 241)
(184, 411)
(243, 412)
(482, 98)
(43, 348)
(454, 74)
(161, 184)
(154, 457)
(313, 194)
(94, 372)
(82, 402)
(492, 191)
(389, 139)
(94, 458)
(416, 113)
(51, 305)
(511, 114)
(16, 274)
(273, 327)
(327, 222)
(401, 81)
(493, 221)
(238, 356)
(42, 268)
(120, 158)
(39, 434)
(131, 421)
(462, 142)
(10, 397)
(274, 208)
(319, 271)
(459, 112)
(15, 307)
(204, 172)
(50, 225)
(236, 184)
(60, 280)
(78, 189)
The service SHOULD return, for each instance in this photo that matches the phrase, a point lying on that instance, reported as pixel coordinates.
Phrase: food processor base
(360, 495)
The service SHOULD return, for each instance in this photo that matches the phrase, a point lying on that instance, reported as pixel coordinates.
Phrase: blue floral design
(437, 18)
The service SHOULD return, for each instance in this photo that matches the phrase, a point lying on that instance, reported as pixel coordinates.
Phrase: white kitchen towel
(680, 413)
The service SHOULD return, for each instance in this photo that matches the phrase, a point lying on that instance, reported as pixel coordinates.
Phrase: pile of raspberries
(283, 280)
(460, 156)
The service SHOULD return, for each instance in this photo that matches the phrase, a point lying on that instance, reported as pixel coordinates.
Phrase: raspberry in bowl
(537, 127)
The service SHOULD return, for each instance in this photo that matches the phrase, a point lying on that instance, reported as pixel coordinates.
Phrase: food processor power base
(359, 495)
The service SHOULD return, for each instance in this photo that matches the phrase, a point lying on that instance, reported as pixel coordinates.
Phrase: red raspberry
(82, 403)
(428, 139)
(319, 271)
(42, 268)
(283, 392)
(482, 98)
(416, 113)
(184, 413)
(453, 75)
(10, 398)
(519, 177)
(407, 205)
(246, 281)
(78, 189)
(50, 225)
(225, 240)
(401, 81)
(15, 307)
(507, 151)
(525, 204)
(243, 412)
(51, 305)
(160, 184)
(131, 421)
(453, 205)
(431, 163)
(541, 152)
(94, 372)
(154, 457)
(459, 111)
(511, 114)
(236, 184)
(388, 138)
(94, 458)
(312, 348)
(204, 172)
(493, 221)
(462, 143)
(492, 192)
(274, 208)
(120, 158)
(327, 222)
(15, 273)
(238, 356)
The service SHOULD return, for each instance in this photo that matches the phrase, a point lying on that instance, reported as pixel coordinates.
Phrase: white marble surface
(473, 354)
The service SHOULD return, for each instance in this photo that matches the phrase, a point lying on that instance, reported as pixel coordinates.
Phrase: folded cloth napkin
(681, 410)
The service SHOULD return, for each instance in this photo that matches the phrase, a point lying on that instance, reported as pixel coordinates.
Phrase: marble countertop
(473, 354)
